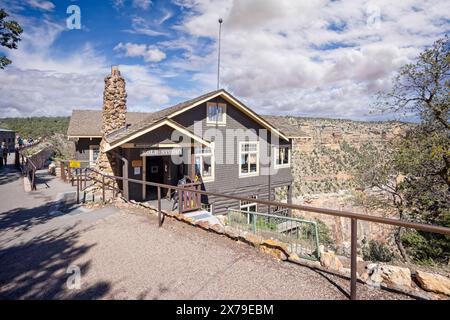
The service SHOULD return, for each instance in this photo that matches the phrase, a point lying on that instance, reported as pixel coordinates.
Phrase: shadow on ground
(8, 174)
(38, 269)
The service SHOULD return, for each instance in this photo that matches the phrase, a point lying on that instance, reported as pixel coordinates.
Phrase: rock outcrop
(433, 282)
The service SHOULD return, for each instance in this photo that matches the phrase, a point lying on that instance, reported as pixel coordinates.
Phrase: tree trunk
(398, 241)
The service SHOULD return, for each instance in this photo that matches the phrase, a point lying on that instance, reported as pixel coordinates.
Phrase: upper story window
(216, 113)
(204, 163)
(282, 156)
(248, 159)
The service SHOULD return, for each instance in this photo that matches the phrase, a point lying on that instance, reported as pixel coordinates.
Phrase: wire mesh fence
(300, 236)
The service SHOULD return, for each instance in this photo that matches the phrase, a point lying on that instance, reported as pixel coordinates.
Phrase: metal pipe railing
(354, 217)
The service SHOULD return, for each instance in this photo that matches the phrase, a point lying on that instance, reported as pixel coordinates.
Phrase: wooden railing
(189, 199)
(354, 217)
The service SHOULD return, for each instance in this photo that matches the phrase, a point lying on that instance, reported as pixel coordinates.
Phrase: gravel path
(122, 254)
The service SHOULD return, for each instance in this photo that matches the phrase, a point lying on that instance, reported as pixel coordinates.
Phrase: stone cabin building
(213, 138)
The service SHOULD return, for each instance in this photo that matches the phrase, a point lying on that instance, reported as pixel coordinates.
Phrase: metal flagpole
(218, 59)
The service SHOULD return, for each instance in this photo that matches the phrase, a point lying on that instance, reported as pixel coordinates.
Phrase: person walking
(5, 153)
(20, 142)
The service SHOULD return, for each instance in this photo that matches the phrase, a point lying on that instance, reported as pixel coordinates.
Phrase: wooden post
(180, 201)
(289, 199)
(63, 172)
(353, 261)
(78, 187)
(103, 188)
(159, 208)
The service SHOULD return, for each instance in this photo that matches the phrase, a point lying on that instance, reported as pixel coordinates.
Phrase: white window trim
(224, 118)
(250, 174)
(213, 164)
(91, 154)
(275, 155)
(251, 204)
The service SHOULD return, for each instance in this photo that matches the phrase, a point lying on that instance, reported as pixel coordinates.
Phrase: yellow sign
(74, 164)
(136, 163)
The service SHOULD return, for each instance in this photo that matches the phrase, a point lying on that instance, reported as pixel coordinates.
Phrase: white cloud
(42, 83)
(322, 58)
(142, 4)
(43, 5)
(141, 26)
(149, 53)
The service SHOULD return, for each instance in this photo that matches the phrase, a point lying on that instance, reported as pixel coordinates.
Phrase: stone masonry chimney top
(115, 70)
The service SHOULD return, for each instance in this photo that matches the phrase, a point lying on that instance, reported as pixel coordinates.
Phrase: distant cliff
(322, 149)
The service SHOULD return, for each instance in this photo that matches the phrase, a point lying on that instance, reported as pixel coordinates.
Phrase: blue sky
(309, 58)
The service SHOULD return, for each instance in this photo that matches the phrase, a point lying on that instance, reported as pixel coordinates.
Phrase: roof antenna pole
(218, 59)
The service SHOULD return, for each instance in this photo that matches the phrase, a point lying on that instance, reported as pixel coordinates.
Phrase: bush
(427, 248)
(377, 251)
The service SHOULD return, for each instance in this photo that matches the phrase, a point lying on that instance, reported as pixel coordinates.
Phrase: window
(282, 156)
(248, 159)
(93, 154)
(207, 207)
(204, 163)
(249, 206)
(216, 113)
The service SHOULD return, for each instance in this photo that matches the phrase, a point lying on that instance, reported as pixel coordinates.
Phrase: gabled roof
(155, 125)
(88, 123)
(169, 113)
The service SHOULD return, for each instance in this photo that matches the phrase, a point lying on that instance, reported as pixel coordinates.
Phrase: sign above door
(162, 152)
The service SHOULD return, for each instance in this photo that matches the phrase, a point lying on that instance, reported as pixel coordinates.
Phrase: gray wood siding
(82, 147)
(227, 175)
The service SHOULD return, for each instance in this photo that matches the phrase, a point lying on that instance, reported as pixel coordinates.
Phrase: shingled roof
(87, 123)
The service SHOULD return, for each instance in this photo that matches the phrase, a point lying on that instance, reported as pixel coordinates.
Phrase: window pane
(253, 162)
(285, 155)
(197, 165)
(95, 154)
(207, 166)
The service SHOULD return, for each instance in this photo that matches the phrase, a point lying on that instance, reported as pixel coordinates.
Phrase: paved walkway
(122, 254)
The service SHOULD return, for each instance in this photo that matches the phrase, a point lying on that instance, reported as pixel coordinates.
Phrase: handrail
(345, 214)
(354, 217)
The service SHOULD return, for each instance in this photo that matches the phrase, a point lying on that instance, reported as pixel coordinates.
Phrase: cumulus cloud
(42, 83)
(318, 58)
(149, 53)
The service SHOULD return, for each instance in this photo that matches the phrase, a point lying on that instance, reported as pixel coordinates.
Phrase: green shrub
(377, 251)
(427, 248)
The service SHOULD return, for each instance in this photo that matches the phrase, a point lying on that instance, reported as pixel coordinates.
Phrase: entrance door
(154, 173)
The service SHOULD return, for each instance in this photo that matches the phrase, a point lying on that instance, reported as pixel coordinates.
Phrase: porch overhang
(110, 145)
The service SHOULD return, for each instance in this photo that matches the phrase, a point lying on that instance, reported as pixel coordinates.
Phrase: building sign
(162, 152)
(74, 164)
(136, 163)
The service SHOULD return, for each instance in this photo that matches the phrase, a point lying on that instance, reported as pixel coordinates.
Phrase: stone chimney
(113, 114)
(114, 102)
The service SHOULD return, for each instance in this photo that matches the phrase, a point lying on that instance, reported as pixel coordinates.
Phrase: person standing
(5, 153)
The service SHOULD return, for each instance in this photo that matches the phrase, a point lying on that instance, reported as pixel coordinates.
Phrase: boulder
(274, 248)
(391, 276)
(330, 261)
(433, 282)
